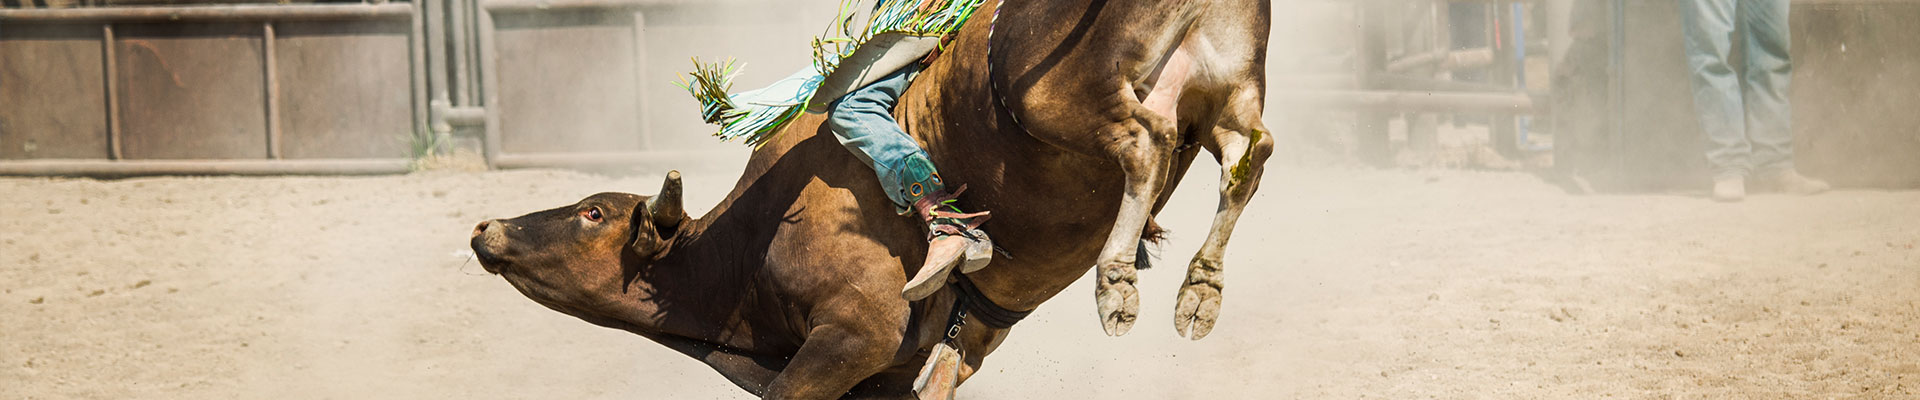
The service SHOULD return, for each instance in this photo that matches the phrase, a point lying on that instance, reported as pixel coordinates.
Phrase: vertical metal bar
(471, 41)
(113, 92)
(640, 79)
(457, 15)
(489, 85)
(438, 105)
(417, 65)
(273, 90)
(436, 37)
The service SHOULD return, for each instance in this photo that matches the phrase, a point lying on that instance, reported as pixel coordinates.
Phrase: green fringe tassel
(709, 85)
(755, 116)
(752, 116)
(913, 17)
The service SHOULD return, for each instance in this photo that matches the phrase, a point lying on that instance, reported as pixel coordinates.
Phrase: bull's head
(578, 259)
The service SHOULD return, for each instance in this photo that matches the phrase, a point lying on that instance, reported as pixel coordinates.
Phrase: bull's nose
(481, 228)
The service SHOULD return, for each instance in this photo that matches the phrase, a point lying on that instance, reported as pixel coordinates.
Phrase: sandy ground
(1344, 284)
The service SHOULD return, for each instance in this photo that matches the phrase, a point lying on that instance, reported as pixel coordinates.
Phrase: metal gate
(206, 89)
(359, 88)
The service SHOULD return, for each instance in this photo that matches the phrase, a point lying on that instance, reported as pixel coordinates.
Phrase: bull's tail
(1153, 235)
(1143, 259)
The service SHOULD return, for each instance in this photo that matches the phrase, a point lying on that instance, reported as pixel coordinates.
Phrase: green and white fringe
(755, 116)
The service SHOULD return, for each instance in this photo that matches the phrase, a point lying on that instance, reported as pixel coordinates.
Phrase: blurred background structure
(139, 87)
(1593, 92)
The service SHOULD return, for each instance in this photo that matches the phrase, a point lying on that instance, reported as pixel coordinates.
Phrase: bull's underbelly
(1170, 84)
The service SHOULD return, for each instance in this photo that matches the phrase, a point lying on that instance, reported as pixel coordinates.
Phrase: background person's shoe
(1729, 189)
(1791, 181)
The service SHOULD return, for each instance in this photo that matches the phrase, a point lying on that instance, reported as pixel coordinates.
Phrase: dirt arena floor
(1345, 284)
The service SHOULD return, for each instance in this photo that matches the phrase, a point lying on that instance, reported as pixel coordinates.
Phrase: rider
(872, 74)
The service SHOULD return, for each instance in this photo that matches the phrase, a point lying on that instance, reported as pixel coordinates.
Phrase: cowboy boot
(954, 239)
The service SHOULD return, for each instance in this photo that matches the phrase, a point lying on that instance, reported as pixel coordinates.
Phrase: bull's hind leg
(1141, 142)
(1242, 145)
(1143, 145)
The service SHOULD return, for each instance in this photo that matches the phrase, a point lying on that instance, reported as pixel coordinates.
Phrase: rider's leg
(863, 122)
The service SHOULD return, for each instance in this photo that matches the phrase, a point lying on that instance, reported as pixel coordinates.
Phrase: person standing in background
(1747, 119)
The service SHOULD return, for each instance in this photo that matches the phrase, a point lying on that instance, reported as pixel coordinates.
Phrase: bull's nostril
(481, 228)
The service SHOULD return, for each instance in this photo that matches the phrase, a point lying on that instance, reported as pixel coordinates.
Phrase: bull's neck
(691, 291)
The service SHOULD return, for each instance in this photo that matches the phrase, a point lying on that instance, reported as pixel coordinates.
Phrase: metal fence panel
(568, 81)
(52, 100)
(192, 91)
(345, 88)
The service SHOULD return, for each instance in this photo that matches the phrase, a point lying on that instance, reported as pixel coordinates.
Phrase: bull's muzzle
(487, 238)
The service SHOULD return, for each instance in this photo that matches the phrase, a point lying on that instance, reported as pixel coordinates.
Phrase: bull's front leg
(1144, 147)
(841, 352)
(1242, 145)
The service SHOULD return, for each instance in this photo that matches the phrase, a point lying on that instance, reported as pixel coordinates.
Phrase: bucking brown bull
(1081, 120)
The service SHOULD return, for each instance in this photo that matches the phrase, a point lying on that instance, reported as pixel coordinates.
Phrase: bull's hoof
(1199, 304)
(1117, 297)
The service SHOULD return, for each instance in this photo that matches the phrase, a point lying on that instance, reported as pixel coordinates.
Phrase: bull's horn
(665, 207)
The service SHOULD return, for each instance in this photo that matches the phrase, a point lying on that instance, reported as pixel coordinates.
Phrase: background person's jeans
(1746, 118)
(863, 121)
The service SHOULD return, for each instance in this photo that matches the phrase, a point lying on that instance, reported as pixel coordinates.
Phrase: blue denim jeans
(863, 122)
(1746, 117)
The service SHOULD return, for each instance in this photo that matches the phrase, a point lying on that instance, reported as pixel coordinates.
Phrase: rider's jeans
(863, 122)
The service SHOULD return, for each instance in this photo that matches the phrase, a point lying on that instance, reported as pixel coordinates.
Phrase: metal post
(489, 85)
(472, 44)
(113, 92)
(273, 89)
(417, 50)
(437, 104)
(640, 78)
(457, 20)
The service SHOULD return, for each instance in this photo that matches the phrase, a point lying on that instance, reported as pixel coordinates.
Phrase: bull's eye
(592, 214)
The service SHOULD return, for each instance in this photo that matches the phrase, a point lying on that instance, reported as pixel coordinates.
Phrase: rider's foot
(954, 240)
(944, 254)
